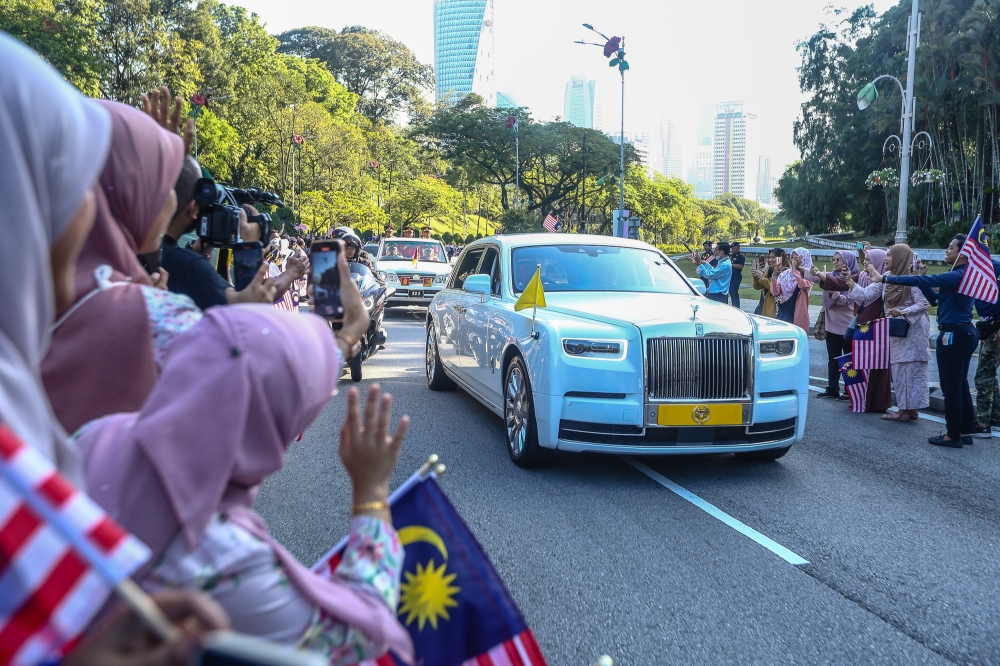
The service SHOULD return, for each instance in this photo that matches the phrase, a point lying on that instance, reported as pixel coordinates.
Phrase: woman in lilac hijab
(237, 389)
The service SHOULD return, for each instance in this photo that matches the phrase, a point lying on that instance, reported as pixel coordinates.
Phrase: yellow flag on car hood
(533, 295)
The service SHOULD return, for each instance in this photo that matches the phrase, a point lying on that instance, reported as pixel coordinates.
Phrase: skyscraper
(580, 102)
(670, 148)
(730, 149)
(641, 142)
(463, 50)
(764, 188)
(702, 170)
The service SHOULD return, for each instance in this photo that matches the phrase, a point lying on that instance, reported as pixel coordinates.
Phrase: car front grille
(710, 368)
(599, 433)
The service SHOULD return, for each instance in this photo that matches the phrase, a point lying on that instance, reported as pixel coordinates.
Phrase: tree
(384, 73)
(422, 198)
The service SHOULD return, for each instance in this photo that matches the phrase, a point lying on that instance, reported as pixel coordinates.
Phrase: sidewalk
(748, 306)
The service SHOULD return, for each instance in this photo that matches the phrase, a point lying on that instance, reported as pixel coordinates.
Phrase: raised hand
(157, 106)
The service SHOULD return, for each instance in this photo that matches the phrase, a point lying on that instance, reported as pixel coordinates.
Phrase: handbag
(759, 310)
(987, 327)
(819, 329)
(899, 327)
(849, 333)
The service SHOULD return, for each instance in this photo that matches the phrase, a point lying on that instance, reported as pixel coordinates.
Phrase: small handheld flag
(551, 224)
(413, 263)
(453, 602)
(533, 295)
(60, 557)
(980, 280)
(855, 383)
(871, 345)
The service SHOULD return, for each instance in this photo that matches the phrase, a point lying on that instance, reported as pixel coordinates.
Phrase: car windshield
(597, 268)
(403, 250)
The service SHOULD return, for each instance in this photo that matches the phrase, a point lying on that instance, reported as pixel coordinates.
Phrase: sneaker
(982, 433)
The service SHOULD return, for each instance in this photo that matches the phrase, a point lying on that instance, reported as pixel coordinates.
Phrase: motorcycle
(374, 296)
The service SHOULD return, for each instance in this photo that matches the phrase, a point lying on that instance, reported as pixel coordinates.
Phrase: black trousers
(718, 298)
(734, 288)
(953, 369)
(836, 346)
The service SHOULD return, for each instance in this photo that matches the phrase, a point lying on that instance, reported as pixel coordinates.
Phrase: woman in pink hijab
(182, 474)
(107, 345)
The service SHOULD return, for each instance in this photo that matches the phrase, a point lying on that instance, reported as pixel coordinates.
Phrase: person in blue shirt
(718, 276)
(987, 389)
(956, 341)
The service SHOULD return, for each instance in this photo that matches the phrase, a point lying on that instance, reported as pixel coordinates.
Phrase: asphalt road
(900, 536)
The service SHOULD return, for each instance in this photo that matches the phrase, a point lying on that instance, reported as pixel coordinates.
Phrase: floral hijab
(786, 281)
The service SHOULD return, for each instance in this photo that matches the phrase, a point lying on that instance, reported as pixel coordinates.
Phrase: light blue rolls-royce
(627, 357)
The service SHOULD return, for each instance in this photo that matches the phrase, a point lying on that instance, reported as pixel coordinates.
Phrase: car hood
(654, 314)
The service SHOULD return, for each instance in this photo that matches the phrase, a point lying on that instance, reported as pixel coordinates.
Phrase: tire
(764, 456)
(355, 365)
(436, 379)
(519, 418)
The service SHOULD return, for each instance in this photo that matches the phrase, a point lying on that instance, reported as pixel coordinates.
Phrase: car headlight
(441, 279)
(610, 350)
(777, 348)
(382, 274)
(391, 277)
(369, 302)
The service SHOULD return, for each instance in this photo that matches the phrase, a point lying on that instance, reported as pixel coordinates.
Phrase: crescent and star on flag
(428, 593)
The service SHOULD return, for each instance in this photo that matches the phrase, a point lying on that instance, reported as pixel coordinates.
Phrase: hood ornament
(694, 312)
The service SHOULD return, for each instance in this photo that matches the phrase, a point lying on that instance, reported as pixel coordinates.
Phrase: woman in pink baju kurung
(908, 357)
(792, 284)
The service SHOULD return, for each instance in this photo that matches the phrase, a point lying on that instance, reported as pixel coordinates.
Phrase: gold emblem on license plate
(701, 414)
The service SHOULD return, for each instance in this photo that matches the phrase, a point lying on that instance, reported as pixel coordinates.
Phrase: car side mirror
(478, 284)
(698, 285)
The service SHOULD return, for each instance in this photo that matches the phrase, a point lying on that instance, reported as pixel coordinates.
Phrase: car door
(451, 311)
(478, 329)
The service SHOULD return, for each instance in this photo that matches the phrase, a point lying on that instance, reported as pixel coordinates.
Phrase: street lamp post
(615, 46)
(869, 94)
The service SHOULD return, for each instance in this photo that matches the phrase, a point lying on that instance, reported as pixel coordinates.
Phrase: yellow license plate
(700, 415)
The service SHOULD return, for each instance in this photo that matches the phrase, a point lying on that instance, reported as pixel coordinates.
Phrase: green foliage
(956, 91)
(469, 239)
(519, 222)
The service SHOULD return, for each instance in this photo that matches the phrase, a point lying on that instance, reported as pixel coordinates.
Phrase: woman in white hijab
(53, 141)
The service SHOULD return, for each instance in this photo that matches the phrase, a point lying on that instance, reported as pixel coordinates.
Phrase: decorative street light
(199, 102)
(869, 94)
(615, 46)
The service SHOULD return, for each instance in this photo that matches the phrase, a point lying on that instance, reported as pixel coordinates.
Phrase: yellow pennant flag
(533, 294)
(413, 264)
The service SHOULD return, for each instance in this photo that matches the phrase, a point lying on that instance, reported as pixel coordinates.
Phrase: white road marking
(717, 513)
(926, 417)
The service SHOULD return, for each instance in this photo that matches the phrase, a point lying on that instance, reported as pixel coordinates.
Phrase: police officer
(956, 341)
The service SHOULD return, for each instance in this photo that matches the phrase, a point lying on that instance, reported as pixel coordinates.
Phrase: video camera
(219, 217)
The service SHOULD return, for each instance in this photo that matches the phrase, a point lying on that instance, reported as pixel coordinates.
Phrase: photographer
(189, 273)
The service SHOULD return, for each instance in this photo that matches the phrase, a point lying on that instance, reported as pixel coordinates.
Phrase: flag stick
(534, 305)
(147, 610)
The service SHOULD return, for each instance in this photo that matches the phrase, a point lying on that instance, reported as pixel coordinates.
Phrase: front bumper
(615, 426)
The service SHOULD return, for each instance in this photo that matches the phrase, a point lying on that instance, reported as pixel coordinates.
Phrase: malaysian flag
(551, 223)
(452, 601)
(855, 383)
(60, 556)
(871, 345)
(979, 281)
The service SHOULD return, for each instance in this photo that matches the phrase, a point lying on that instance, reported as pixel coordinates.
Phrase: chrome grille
(699, 368)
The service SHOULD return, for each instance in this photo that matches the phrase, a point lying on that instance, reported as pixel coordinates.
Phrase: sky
(683, 55)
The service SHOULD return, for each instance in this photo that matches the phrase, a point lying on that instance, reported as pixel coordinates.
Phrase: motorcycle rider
(353, 252)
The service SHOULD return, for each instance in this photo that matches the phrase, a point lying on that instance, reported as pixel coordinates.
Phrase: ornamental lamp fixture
(867, 95)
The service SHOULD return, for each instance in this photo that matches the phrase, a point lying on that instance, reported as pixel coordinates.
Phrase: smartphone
(861, 246)
(326, 279)
(151, 261)
(247, 258)
(227, 648)
(762, 261)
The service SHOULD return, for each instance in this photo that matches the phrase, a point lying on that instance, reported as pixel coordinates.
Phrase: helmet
(352, 239)
(340, 232)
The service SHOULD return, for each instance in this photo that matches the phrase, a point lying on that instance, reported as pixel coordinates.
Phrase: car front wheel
(519, 418)
(436, 379)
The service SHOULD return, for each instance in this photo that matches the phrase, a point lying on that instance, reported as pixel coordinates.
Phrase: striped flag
(551, 223)
(980, 280)
(452, 600)
(871, 345)
(60, 556)
(855, 383)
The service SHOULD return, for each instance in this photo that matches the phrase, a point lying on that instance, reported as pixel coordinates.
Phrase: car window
(466, 267)
(597, 268)
(491, 266)
(405, 249)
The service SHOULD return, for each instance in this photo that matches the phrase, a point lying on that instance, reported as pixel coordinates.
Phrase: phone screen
(247, 258)
(861, 246)
(326, 279)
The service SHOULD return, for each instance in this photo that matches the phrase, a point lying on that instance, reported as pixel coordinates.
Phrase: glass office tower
(463, 50)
